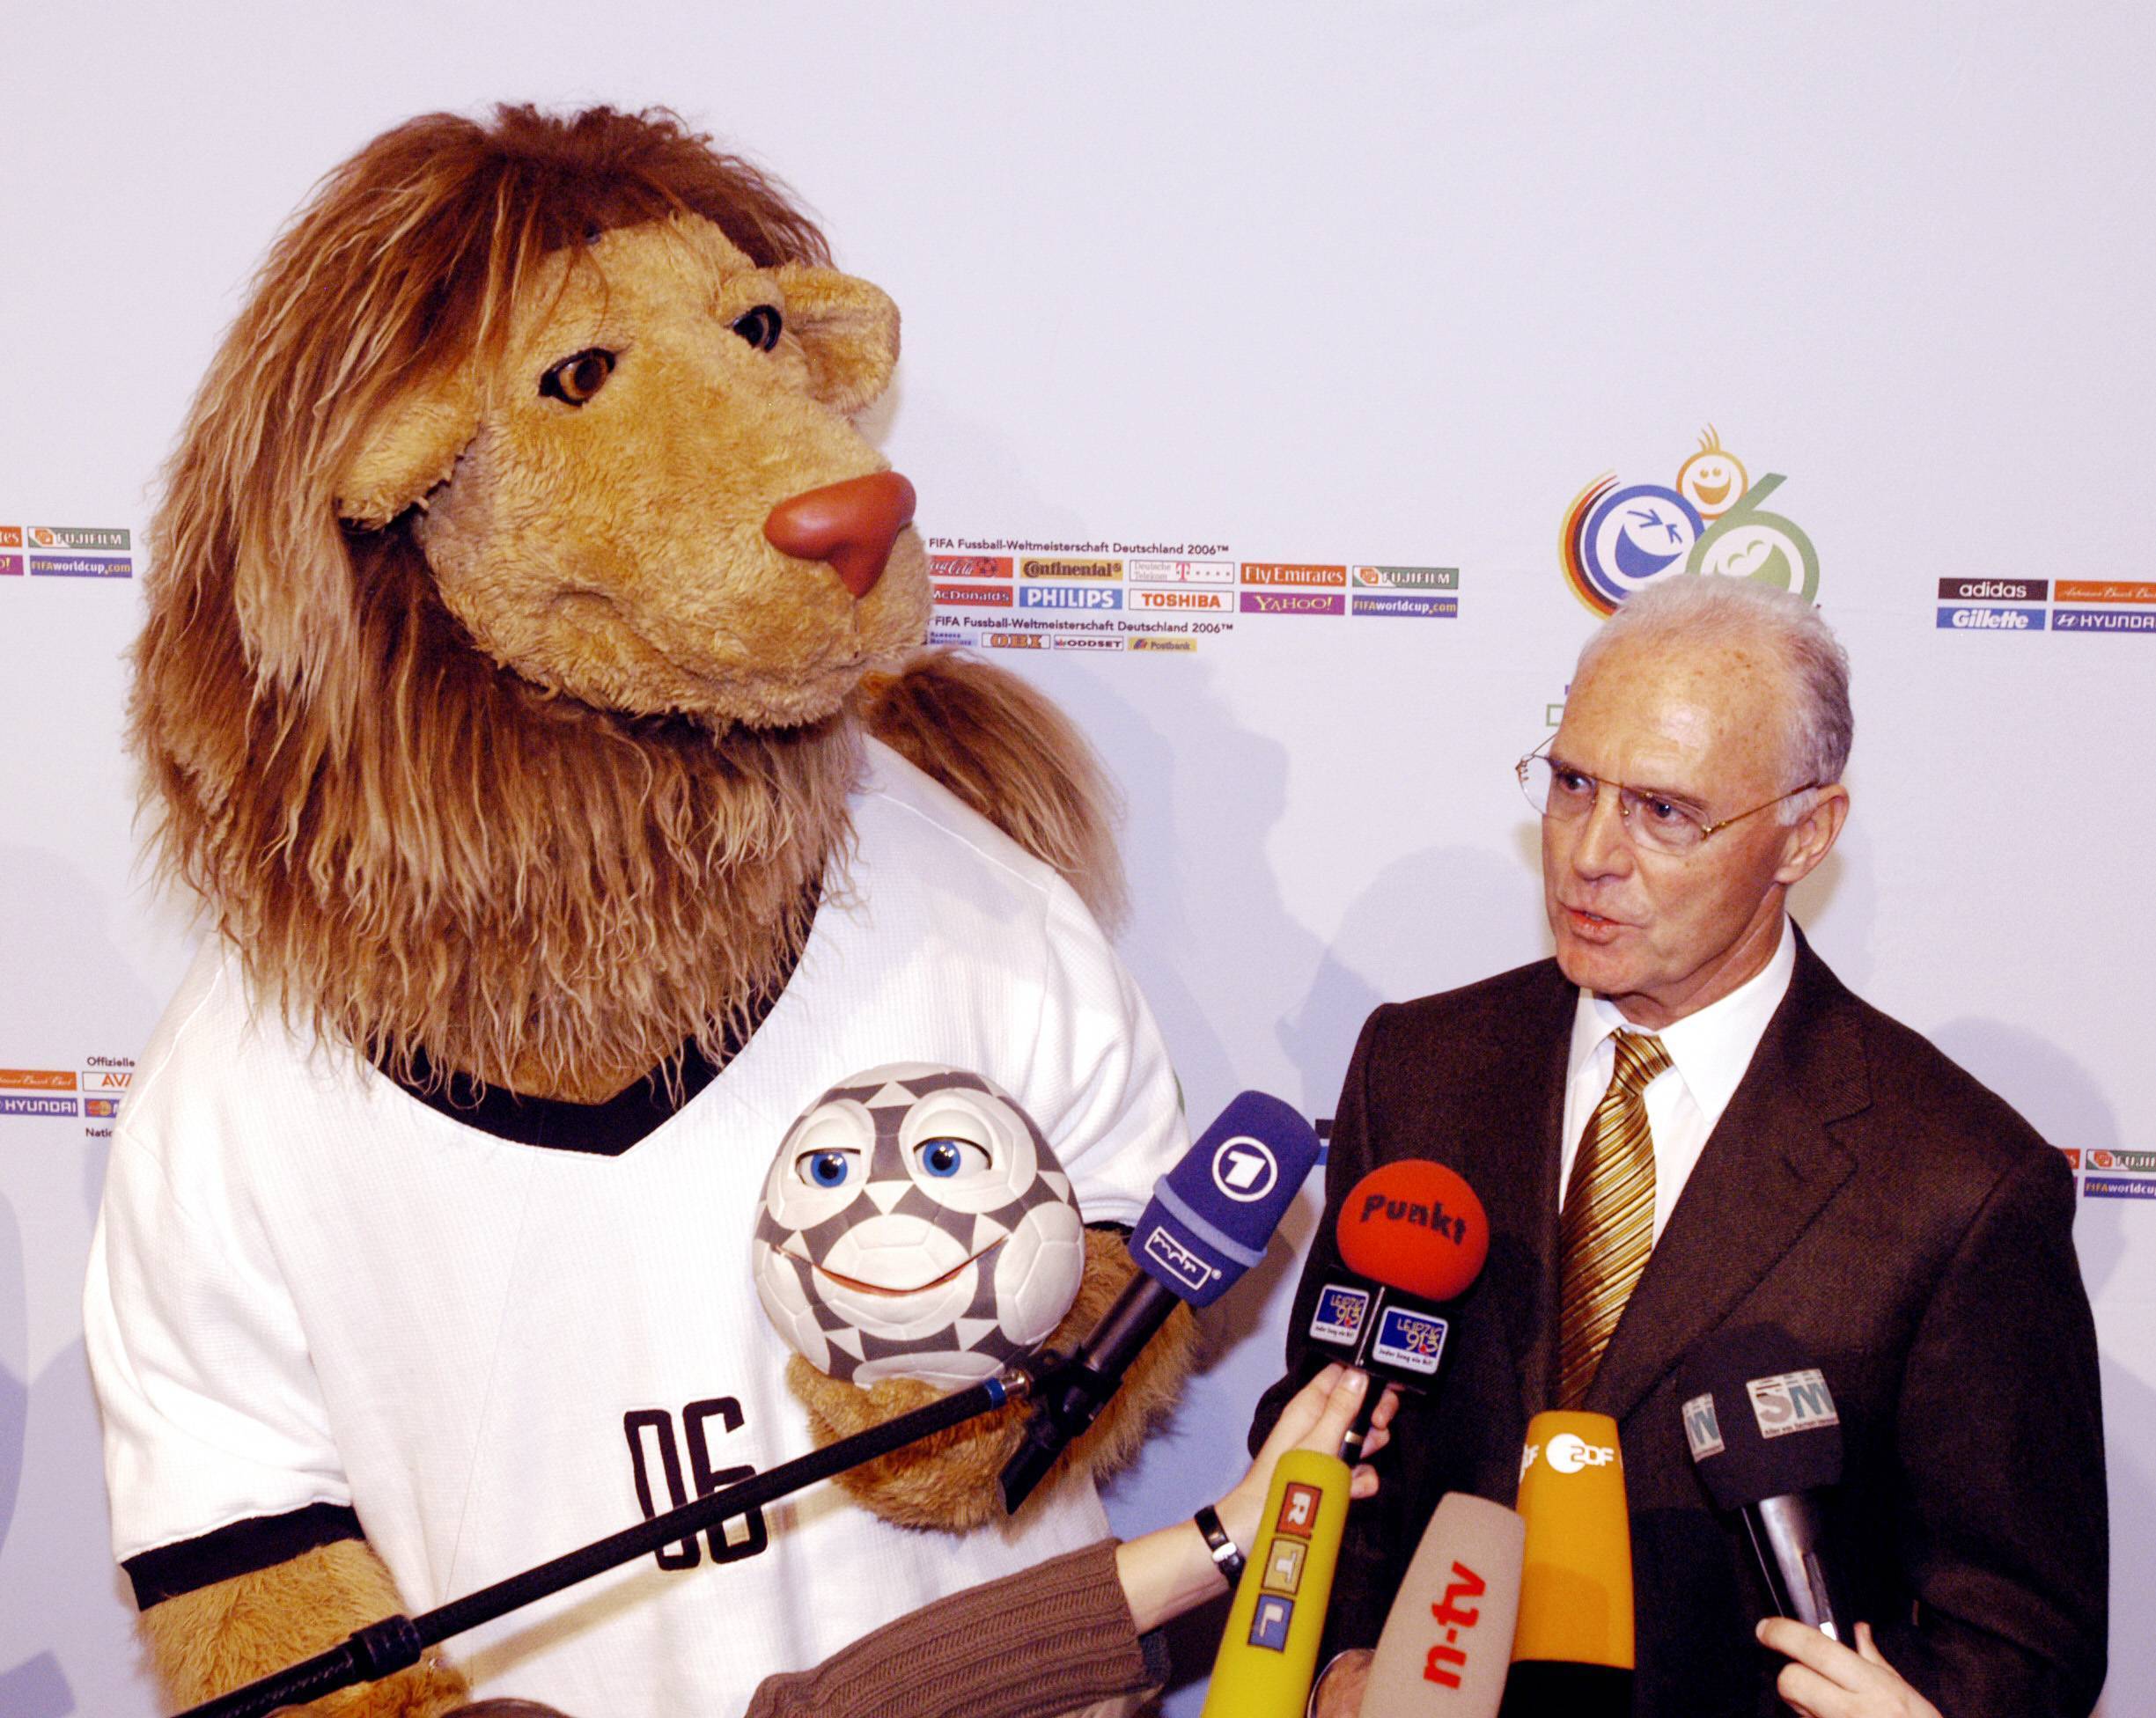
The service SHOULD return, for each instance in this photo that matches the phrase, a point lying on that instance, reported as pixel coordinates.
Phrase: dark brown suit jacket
(1911, 1231)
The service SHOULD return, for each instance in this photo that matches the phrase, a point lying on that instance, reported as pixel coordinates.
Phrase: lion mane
(412, 848)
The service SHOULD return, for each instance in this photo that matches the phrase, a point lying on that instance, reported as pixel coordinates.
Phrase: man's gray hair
(1711, 608)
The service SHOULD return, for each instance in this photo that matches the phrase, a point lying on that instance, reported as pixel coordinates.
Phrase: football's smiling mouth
(861, 1287)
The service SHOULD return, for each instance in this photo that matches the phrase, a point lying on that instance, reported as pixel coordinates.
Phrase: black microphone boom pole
(384, 1647)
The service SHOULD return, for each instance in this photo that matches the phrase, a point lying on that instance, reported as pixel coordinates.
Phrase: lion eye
(760, 328)
(578, 376)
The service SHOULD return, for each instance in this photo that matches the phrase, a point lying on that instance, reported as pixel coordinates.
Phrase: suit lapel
(1511, 1161)
(1768, 1167)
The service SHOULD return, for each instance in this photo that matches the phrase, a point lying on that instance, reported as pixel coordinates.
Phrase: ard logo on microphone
(1792, 1402)
(1190, 1268)
(1245, 1169)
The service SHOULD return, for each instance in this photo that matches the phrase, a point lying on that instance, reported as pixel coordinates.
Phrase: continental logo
(1176, 641)
(1279, 602)
(1012, 641)
(1427, 608)
(1293, 572)
(1180, 572)
(1068, 596)
(969, 566)
(1618, 539)
(1216, 602)
(36, 1079)
(1063, 566)
(1408, 578)
(974, 596)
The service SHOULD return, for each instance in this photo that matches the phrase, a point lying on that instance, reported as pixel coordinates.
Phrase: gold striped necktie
(1607, 1227)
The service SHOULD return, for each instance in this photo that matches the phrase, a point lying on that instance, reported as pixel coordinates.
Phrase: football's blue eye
(828, 1169)
(944, 1158)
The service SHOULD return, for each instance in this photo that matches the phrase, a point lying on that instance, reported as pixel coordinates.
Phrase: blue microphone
(1208, 1222)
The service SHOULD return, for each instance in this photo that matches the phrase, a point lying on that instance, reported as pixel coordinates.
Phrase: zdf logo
(1568, 1453)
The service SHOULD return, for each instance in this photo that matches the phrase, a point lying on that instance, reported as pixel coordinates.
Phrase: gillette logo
(1244, 1169)
(1192, 1269)
(1792, 1402)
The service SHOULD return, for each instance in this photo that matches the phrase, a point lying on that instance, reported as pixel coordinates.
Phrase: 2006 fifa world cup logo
(1618, 539)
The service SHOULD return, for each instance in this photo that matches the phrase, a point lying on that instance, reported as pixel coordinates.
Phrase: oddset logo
(1619, 538)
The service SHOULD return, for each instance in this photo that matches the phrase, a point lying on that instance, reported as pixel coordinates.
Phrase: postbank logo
(1178, 642)
(1068, 566)
(1618, 539)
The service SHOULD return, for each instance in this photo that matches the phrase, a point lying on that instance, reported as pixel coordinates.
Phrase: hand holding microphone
(1827, 1680)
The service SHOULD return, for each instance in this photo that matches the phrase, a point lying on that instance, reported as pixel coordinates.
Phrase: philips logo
(1702, 1431)
(1245, 1169)
(1192, 1269)
(1068, 596)
(1570, 1453)
(1792, 1402)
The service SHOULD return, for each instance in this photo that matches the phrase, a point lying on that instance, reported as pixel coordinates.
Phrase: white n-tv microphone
(1767, 1442)
(1448, 1638)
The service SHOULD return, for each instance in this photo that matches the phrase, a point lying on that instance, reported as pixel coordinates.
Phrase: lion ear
(409, 445)
(847, 330)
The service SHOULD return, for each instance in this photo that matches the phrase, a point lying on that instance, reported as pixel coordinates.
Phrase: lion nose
(850, 524)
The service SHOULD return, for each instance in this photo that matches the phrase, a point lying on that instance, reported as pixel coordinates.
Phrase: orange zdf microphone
(1448, 1637)
(1415, 1235)
(1572, 1644)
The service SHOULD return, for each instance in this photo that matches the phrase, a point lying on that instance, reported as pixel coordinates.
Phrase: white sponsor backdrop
(1383, 284)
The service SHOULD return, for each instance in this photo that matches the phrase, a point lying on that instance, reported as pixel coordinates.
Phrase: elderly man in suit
(1684, 1122)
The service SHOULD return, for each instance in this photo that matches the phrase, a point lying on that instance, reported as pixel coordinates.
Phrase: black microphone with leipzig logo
(1208, 1222)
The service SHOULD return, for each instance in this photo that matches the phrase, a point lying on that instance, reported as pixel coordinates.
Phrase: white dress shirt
(1708, 1052)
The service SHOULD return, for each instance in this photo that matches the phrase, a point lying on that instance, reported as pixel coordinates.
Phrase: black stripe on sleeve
(257, 1543)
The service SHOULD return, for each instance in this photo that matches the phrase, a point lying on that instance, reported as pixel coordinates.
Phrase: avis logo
(1618, 539)
(1792, 1402)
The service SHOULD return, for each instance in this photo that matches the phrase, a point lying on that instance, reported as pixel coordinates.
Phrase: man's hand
(1825, 1679)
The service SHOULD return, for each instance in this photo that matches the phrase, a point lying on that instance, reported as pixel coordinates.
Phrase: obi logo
(1618, 539)
(1192, 1269)
(1245, 1169)
(1702, 1430)
(1339, 1317)
(1570, 1453)
(1792, 1402)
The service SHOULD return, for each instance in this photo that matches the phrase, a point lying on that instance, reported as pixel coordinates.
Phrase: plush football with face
(915, 1225)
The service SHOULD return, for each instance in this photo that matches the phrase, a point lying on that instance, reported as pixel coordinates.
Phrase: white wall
(1384, 284)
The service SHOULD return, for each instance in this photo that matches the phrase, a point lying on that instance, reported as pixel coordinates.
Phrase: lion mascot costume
(530, 694)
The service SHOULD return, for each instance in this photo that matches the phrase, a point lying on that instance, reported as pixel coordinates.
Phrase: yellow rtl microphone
(1572, 1643)
(1269, 1652)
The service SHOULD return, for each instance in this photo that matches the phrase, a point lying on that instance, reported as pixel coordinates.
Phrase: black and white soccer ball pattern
(917, 1224)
